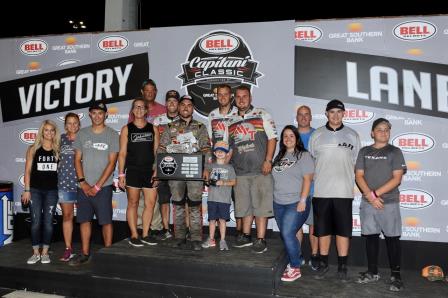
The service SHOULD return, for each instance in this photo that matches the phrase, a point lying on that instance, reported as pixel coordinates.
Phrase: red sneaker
(67, 255)
(291, 274)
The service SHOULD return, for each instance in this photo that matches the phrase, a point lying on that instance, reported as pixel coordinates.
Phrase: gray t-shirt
(378, 165)
(221, 194)
(95, 150)
(288, 177)
(335, 153)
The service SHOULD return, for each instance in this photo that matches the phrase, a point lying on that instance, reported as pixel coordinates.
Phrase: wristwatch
(81, 179)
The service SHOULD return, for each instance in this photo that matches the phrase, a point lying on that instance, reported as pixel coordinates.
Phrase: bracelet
(26, 190)
(122, 175)
(97, 187)
(374, 192)
(302, 200)
(374, 195)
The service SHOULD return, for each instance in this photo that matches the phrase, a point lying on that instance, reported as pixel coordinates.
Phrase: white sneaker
(33, 259)
(45, 259)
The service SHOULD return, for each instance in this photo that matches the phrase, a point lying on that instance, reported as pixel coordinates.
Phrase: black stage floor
(162, 271)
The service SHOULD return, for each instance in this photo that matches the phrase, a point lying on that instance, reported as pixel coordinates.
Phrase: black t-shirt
(44, 171)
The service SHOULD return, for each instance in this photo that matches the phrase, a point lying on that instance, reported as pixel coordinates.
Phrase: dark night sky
(42, 18)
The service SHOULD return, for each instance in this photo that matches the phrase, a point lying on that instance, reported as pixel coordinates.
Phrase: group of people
(310, 180)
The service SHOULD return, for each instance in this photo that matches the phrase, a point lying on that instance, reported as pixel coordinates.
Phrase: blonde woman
(41, 188)
(67, 182)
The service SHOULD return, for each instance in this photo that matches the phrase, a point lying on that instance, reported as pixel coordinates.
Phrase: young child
(222, 178)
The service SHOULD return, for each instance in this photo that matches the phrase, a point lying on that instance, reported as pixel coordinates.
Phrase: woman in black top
(41, 183)
(139, 140)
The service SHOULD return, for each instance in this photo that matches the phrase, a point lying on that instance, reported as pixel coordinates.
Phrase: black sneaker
(166, 234)
(396, 285)
(80, 259)
(136, 242)
(243, 240)
(150, 240)
(367, 277)
(321, 272)
(342, 274)
(259, 246)
(314, 262)
(196, 245)
(188, 234)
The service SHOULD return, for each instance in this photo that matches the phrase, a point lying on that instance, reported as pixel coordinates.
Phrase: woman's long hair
(298, 149)
(55, 144)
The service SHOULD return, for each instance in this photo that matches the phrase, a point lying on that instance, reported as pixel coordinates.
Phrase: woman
(139, 140)
(41, 188)
(67, 182)
(293, 170)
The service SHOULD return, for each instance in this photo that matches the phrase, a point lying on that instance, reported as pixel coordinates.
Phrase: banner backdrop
(393, 68)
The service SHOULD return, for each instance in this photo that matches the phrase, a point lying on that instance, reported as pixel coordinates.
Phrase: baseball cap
(97, 105)
(185, 97)
(149, 82)
(172, 94)
(335, 104)
(221, 145)
(379, 121)
(433, 273)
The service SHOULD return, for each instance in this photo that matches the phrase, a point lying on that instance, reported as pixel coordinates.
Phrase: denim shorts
(67, 196)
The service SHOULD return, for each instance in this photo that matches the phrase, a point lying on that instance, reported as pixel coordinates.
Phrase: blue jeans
(42, 208)
(289, 221)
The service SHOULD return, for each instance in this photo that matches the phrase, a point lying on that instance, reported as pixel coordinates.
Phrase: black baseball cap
(149, 82)
(97, 105)
(335, 104)
(379, 121)
(185, 97)
(172, 94)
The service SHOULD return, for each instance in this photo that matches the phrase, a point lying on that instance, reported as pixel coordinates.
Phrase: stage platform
(162, 271)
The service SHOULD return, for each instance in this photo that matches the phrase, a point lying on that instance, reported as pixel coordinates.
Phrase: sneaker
(396, 284)
(303, 261)
(80, 259)
(314, 262)
(321, 272)
(67, 255)
(223, 245)
(243, 240)
(259, 246)
(136, 242)
(196, 245)
(45, 259)
(291, 274)
(209, 243)
(33, 259)
(367, 277)
(164, 235)
(150, 240)
(342, 274)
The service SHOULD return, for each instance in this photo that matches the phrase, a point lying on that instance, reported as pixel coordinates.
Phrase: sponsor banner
(414, 142)
(415, 30)
(415, 199)
(75, 88)
(377, 81)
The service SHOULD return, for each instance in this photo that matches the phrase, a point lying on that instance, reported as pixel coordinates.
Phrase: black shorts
(332, 216)
(164, 192)
(138, 178)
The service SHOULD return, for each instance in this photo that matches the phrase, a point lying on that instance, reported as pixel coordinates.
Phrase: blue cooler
(6, 212)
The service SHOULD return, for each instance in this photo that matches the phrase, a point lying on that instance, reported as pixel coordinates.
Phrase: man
(149, 94)
(335, 148)
(305, 130)
(193, 136)
(218, 120)
(253, 137)
(379, 170)
(95, 157)
(163, 189)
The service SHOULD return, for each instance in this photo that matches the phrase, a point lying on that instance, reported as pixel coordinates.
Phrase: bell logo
(415, 30)
(33, 47)
(307, 33)
(415, 199)
(113, 44)
(414, 142)
(28, 136)
(219, 44)
(356, 116)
